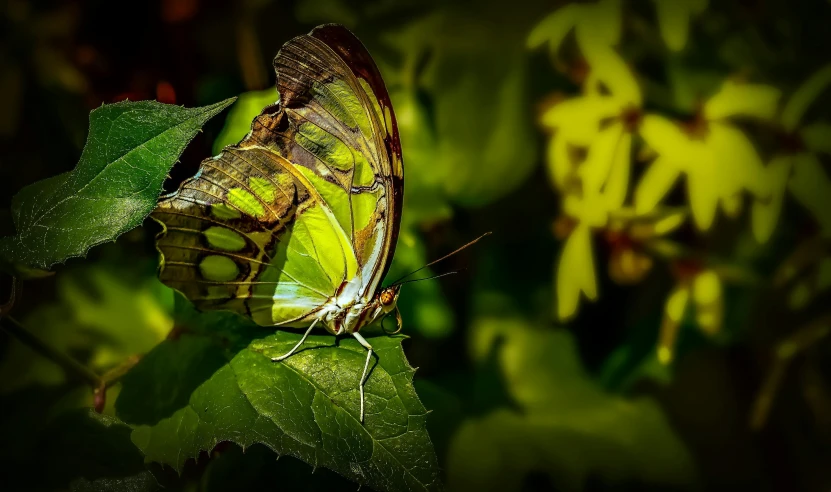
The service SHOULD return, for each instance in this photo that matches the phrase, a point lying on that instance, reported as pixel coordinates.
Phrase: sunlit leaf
(803, 97)
(575, 272)
(674, 18)
(739, 99)
(228, 389)
(242, 113)
(766, 209)
(130, 148)
(809, 185)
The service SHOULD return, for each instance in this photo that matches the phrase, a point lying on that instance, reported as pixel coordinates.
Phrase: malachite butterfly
(296, 225)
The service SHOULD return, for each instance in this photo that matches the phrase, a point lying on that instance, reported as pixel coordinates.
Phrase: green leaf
(306, 406)
(98, 318)
(130, 148)
(242, 113)
(674, 20)
(469, 151)
(803, 97)
(566, 425)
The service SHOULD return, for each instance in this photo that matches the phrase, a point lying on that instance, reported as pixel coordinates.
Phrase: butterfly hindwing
(308, 201)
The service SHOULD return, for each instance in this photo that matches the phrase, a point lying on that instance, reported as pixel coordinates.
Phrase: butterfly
(296, 225)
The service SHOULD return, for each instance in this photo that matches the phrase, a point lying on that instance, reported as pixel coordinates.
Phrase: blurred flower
(589, 160)
(696, 290)
(797, 166)
(634, 239)
(674, 20)
(718, 159)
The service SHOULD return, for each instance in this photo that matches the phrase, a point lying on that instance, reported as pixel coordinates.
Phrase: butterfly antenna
(442, 258)
(427, 278)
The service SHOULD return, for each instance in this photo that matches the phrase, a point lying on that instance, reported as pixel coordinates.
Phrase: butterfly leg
(282, 357)
(368, 348)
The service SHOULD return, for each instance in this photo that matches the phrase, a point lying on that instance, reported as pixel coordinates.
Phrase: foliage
(670, 157)
(563, 422)
(130, 149)
(228, 389)
(621, 115)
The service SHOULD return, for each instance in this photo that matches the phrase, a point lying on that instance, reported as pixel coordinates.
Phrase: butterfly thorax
(348, 313)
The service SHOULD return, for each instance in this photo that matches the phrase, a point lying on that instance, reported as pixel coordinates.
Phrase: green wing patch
(272, 227)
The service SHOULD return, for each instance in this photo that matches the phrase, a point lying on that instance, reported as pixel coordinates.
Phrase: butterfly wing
(309, 201)
(343, 135)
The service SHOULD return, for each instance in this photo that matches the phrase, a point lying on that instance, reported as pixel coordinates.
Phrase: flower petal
(575, 272)
(655, 184)
(736, 99)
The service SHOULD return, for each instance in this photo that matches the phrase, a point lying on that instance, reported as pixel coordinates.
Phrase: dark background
(519, 399)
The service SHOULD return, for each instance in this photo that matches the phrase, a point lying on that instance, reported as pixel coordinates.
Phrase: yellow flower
(699, 291)
(634, 239)
(718, 160)
(589, 163)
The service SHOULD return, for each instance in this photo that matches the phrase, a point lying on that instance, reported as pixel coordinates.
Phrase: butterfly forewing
(309, 200)
(342, 132)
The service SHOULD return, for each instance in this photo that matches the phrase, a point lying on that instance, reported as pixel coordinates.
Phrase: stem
(70, 365)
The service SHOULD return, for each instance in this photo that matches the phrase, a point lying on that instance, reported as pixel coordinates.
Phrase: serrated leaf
(130, 149)
(306, 406)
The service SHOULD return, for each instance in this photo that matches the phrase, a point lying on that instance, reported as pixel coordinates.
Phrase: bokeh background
(652, 309)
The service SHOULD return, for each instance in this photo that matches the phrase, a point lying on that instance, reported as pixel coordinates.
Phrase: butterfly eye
(387, 297)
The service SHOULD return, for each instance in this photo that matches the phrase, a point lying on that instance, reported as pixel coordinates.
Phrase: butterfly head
(388, 298)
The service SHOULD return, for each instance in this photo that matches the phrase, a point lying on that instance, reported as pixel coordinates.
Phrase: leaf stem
(70, 365)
